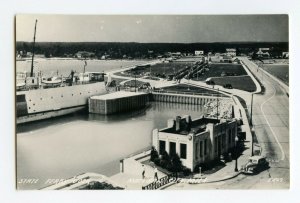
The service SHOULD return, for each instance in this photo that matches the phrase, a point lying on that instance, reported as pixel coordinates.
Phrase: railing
(50, 86)
(190, 93)
(161, 182)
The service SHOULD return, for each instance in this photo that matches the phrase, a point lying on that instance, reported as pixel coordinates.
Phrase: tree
(176, 164)
(153, 154)
(165, 160)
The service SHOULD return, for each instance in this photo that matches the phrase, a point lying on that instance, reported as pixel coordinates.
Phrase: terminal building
(231, 52)
(196, 141)
(199, 53)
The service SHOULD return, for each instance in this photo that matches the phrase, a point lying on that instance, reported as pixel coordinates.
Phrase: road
(271, 126)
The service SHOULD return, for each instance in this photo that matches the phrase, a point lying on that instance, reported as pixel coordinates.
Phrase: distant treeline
(136, 50)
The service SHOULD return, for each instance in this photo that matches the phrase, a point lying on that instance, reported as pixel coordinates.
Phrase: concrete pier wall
(126, 101)
(184, 99)
(117, 102)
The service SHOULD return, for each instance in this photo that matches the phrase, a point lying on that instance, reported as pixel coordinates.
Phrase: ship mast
(31, 72)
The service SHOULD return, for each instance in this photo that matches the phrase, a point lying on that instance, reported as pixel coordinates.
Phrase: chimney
(177, 125)
(171, 123)
(188, 121)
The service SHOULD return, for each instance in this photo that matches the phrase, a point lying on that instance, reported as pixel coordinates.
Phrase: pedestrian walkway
(226, 173)
(133, 180)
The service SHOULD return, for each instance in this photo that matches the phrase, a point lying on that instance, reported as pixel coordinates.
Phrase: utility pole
(134, 81)
(251, 109)
(33, 46)
(85, 64)
(252, 144)
(218, 106)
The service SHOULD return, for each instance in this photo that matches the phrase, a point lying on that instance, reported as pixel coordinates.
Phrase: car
(255, 165)
(227, 86)
(210, 82)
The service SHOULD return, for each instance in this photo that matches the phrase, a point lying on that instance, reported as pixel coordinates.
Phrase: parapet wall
(184, 98)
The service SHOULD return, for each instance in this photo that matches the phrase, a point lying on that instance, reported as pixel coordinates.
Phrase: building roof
(231, 49)
(196, 126)
(117, 95)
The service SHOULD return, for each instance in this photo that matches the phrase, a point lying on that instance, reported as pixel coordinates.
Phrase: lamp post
(218, 106)
(134, 82)
(252, 144)
(236, 155)
(251, 109)
(262, 74)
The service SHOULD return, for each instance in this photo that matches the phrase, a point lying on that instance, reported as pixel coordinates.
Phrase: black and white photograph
(152, 102)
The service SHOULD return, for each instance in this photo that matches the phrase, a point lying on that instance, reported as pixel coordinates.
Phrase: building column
(168, 146)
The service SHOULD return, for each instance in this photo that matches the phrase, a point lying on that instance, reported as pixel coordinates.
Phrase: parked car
(255, 165)
(227, 86)
(210, 82)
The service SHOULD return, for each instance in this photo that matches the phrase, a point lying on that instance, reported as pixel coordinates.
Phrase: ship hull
(50, 114)
(40, 104)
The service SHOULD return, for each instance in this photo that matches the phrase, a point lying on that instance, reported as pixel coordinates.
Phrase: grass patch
(180, 88)
(158, 69)
(237, 82)
(280, 71)
(221, 69)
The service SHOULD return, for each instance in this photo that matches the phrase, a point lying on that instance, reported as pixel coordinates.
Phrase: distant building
(215, 59)
(231, 52)
(262, 54)
(199, 141)
(84, 54)
(176, 54)
(285, 55)
(226, 59)
(104, 57)
(199, 53)
(264, 49)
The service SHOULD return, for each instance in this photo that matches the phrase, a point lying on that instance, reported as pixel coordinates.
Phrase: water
(49, 67)
(66, 146)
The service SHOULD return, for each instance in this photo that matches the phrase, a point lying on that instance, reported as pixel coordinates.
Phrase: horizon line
(156, 42)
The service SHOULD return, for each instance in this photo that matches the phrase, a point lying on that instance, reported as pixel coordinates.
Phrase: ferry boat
(39, 98)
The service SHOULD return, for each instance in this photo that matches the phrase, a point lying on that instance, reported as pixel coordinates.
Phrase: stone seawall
(184, 98)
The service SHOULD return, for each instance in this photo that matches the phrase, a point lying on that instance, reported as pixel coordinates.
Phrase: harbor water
(66, 146)
(60, 148)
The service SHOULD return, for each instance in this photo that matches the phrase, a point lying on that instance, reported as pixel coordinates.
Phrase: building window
(197, 150)
(201, 149)
(21, 98)
(205, 146)
(172, 148)
(162, 146)
(229, 138)
(223, 140)
(183, 151)
(215, 144)
(232, 136)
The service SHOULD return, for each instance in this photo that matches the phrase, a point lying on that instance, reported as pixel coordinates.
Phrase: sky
(153, 28)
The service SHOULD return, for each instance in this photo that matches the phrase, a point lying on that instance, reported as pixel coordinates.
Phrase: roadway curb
(247, 69)
(227, 178)
(204, 182)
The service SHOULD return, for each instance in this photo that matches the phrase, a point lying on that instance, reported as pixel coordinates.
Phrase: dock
(117, 102)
